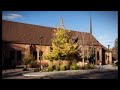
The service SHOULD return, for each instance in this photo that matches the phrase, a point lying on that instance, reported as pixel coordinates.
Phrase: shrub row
(59, 65)
(66, 65)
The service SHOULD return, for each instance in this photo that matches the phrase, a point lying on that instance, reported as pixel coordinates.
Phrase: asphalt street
(69, 74)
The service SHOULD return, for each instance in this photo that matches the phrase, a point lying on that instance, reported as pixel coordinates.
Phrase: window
(98, 55)
(12, 55)
(40, 54)
(11, 59)
(35, 55)
(19, 56)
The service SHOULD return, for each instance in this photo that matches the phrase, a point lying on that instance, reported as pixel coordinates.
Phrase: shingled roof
(30, 34)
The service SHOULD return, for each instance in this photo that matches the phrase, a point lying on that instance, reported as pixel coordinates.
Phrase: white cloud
(102, 37)
(106, 40)
(12, 16)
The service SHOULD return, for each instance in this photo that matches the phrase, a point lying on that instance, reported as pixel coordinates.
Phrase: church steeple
(62, 23)
(90, 24)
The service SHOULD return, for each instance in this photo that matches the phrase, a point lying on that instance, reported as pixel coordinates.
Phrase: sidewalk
(106, 67)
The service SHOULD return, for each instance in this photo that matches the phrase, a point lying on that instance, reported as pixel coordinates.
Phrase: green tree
(115, 54)
(63, 47)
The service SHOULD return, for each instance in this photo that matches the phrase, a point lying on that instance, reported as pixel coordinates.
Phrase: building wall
(108, 58)
(45, 49)
(7, 48)
(25, 51)
(98, 53)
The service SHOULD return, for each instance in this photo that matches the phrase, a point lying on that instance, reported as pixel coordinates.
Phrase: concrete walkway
(106, 66)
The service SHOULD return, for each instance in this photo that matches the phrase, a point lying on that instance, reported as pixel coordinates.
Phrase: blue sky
(104, 23)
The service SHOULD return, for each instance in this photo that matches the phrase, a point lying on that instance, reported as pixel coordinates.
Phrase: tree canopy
(115, 54)
(63, 47)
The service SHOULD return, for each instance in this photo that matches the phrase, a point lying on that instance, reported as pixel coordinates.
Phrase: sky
(104, 23)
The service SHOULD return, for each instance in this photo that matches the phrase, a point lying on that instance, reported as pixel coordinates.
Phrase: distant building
(20, 39)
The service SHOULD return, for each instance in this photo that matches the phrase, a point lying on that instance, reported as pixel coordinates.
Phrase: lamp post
(40, 50)
(108, 53)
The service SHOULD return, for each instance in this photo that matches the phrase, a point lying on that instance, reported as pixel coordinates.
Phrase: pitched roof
(25, 33)
(30, 34)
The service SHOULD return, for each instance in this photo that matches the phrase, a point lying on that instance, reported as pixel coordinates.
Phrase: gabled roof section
(30, 34)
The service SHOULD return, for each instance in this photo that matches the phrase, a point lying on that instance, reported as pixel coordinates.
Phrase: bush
(78, 67)
(67, 65)
(45, 69)
(88, 66)
(36, 70)
(51, 67)
(44, 64)
(62, 67)
(34, 64)
(73, 65)
(91, 66)
(27, 60)
(57, 67)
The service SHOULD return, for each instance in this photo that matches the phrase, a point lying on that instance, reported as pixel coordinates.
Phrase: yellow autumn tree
(63, 47)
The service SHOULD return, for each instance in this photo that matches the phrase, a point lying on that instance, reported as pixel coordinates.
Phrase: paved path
(104, 73)
(107, 66)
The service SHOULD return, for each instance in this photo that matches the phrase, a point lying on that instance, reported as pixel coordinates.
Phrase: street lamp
(40, 50)
(108, 53)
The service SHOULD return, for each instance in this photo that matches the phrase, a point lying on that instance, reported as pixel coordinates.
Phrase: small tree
(63, 47)
(115, 53)
(27, 60)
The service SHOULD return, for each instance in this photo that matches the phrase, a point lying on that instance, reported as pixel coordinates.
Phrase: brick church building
(20, 39)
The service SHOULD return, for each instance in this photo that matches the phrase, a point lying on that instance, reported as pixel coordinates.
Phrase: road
(69, 74)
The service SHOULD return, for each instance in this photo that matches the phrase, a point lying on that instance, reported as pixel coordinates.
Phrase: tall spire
(90, 24)
(62, 23)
